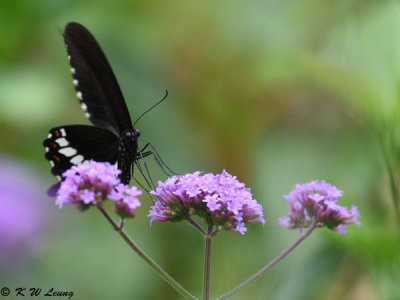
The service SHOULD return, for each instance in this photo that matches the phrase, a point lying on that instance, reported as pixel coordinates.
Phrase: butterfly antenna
(154, 105)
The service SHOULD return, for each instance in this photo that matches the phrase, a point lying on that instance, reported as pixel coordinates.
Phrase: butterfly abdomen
(128, 149)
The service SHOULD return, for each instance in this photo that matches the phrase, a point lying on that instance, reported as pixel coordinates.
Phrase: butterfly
(112, 138)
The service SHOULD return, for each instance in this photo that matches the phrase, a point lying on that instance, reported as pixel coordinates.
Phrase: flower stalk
(269, 265)
(389, 152)
(172, 282)
(195, 225)
(207, 264)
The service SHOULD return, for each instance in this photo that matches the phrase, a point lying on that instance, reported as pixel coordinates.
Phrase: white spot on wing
(87, 115)
(69, 57)
(76, 159)
(52, 163)
(50, 136)
(62, 142)
(75, 82)
(73, 70)
(68, 151)
(79, 95)
(47, 149)
(63, 133)
(58, 177)
(84, 106)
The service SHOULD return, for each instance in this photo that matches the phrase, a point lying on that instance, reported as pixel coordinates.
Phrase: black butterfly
(113, 138)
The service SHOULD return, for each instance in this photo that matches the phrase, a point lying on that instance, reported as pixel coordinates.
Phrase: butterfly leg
(157, 158)
(147, 153)
(147, 190)
(140, 157)
(147, 182)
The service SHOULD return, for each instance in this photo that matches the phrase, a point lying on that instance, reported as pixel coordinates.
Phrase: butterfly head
(129, 140)
(135, 133)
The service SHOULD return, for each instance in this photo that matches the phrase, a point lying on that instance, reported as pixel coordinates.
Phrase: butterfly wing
(95, 83)
(71, 144)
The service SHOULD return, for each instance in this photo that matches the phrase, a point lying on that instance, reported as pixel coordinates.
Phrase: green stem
(269, 265)
(195, 225)
(392, 175)
(146, 258)
(207, 264)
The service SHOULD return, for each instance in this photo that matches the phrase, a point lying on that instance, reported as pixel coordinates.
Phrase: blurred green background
(276, 92)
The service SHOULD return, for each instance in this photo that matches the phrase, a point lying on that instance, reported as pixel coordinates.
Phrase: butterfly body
(112, 138)
(128, 153)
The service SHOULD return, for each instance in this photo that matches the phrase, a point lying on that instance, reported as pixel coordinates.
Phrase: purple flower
(23, 213)
(220, 199)
(126, 200)
(88, 184)
(316, 203)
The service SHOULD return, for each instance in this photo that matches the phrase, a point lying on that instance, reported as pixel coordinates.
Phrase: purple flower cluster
(88, 184)
(315, 203)
(220, 199)
(126, 200)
